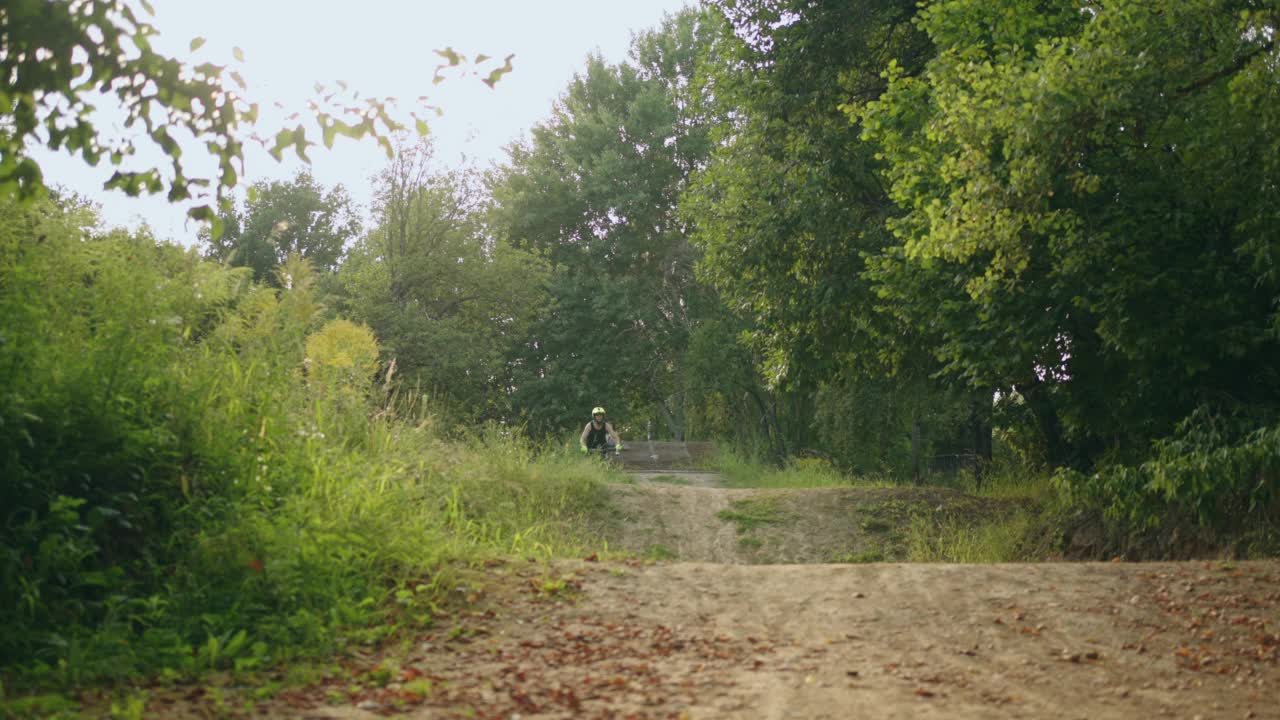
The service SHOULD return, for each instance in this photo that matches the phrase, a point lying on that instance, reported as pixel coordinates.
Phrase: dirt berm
(721, 638)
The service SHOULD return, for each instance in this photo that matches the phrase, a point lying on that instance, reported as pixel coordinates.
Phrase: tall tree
(596, 189)
(791, 204)
(446, 300)
(792, 215)
(1089, 202)
(280, 218)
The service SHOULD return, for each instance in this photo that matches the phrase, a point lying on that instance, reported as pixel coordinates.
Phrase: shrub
(1222, 472)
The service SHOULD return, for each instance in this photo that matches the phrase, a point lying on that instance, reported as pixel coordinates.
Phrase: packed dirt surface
(692, 640)
(727, 637)
(673, 522)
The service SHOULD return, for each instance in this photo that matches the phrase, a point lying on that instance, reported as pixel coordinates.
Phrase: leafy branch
(60, 57)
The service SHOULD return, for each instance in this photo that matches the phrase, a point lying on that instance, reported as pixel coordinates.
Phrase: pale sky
(381, 48)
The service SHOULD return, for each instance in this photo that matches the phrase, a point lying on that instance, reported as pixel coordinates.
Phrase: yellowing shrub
(342, 356)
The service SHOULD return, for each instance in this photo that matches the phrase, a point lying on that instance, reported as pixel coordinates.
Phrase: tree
(790, 205)
(59, 57)
(595, 190)
(1088, 201)
(792, 216)
(279, 218)
(445, 300)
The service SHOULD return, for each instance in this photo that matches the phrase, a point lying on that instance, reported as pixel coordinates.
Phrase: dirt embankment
(674, 511)
(668, 520)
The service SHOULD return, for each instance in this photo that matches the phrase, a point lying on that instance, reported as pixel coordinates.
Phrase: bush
(1224, 473)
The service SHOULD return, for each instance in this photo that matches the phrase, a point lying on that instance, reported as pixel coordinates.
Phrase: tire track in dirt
(673, 522)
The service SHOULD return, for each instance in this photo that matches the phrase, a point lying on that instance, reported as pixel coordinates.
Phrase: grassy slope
(181, 497)
(999, 521)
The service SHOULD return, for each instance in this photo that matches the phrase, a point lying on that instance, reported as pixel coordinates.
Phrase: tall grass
(1007, 537)
(183, 491)
(959, 540)
(1008, 481)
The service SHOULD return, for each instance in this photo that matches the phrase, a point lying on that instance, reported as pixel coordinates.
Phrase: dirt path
(724, 638)
(668, 522)
(696, 478)
(878, 641)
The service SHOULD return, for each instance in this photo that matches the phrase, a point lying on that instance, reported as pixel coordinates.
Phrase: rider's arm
(609, 428)
(585, 431)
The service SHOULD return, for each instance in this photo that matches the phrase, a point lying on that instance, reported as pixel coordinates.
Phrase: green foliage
(179, 496)
(62, 55)
(447, 301)
(40, 706)
(791, 216)
(790, 206)
(342, 356)
(1215, 470)
(865, 424)
(922, 206)
(727, 396)
(892, 211)
(1086, 201)
(283, 218)
(595, 191)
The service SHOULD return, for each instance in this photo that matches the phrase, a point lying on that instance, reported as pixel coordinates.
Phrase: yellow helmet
(597, 410)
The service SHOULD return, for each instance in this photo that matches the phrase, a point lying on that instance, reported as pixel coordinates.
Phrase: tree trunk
(882, 444)
(673, 422)
(1057, 452)
(981, 436)
(768, 421)
(677, 432)
(915, 449)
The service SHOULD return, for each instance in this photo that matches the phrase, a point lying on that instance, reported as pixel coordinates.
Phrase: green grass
(39, 706)
(752, 513)
(956, 540)
(876, 525)
(660, 552)
(669, 480)
(864, 557)
(1003, 538)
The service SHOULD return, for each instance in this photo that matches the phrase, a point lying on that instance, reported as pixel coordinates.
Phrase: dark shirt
(598, 436)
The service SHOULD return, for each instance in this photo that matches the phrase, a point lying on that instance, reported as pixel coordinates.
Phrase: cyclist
(599, 434)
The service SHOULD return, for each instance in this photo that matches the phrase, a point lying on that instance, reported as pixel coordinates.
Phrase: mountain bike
(609, 454)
